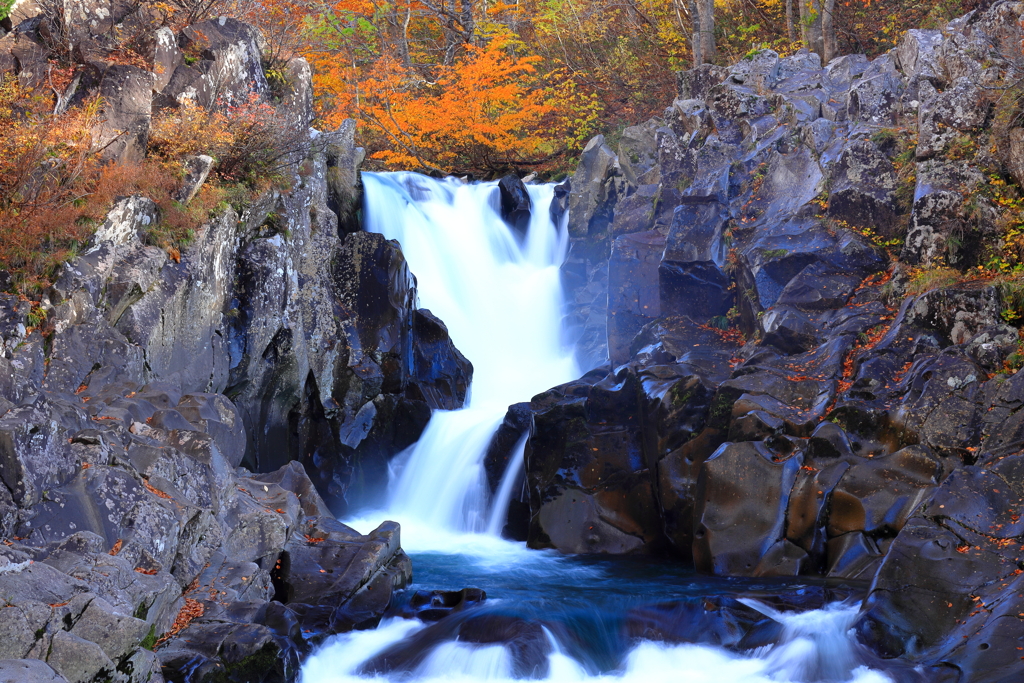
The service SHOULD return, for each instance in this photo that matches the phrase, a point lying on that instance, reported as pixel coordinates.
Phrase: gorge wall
(768, 394)
(779, 389)
(280, 340)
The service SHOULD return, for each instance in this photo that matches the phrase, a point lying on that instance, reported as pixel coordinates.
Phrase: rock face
(776, 405)
(164, 446)
(126, 518)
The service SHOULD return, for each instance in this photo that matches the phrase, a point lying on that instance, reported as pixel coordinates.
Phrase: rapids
(502, 301)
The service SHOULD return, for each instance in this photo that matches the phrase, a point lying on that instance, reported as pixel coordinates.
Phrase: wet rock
(518, 422)
(515, 204)
(691, 275)
(633, 289)
(246, 651)
(438, 604)
(560, 201)
(347, 559)
(718, 621)
(525, 641)
(590, 486)
(440, 373)
(740, 509)
(943, 561)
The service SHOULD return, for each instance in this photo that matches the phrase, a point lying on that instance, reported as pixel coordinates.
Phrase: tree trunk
(695, 41)
(810, 26)
(704, 30)
(790, 26)
(828, 32)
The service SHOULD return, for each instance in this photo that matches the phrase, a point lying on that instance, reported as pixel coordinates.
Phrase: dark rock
(517, 423)
(560, 201)
(347, 559)
(437, 604)
(740, 510)
(692, 276)
(590, 487)
(633, 289)
(515, 204)
(440, 373)
(526, 642)
(718, 621)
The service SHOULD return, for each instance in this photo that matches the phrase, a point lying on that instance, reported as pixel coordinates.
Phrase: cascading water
(500, 296)
(501, 299)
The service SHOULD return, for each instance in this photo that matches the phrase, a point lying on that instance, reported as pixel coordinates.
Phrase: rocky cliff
(778, 390)
(280, 340)
(773, 392)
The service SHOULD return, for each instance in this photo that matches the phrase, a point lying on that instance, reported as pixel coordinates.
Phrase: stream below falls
(546, 616)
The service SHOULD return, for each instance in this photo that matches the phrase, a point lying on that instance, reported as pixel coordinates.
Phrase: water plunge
(501, 298)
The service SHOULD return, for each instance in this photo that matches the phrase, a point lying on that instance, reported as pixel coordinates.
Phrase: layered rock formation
(767, 400)
(279, 341)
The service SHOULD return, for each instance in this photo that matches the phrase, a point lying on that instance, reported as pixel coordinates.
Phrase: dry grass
(55, 191)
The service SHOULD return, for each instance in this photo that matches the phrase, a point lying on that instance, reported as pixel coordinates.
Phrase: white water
(502, 301)
(794, 660)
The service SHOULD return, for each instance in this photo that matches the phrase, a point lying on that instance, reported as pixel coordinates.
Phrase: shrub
(250, 142)
(55, 191)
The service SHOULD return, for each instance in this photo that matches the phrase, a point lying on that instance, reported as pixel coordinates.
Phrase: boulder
(740, 512)
(227, 65)
(515, 204)
(126, 94)
(197, 168)
(28, 671)
(595, 189)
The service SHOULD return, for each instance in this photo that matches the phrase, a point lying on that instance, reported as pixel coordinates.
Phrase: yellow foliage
(491, 110)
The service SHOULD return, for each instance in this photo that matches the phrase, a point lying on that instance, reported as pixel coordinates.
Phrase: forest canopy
(488, 86)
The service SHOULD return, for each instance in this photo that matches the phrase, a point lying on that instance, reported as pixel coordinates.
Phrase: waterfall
(501, 297)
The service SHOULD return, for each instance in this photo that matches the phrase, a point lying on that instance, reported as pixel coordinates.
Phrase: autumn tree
(490, 111)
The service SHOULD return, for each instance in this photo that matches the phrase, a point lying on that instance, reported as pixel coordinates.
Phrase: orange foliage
(491, 110)
(55, 190)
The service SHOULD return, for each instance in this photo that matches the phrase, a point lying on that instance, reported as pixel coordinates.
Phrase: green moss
(253, 668)
(149, 642)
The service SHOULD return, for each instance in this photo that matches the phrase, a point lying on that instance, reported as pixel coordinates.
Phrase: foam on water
(647, 662)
